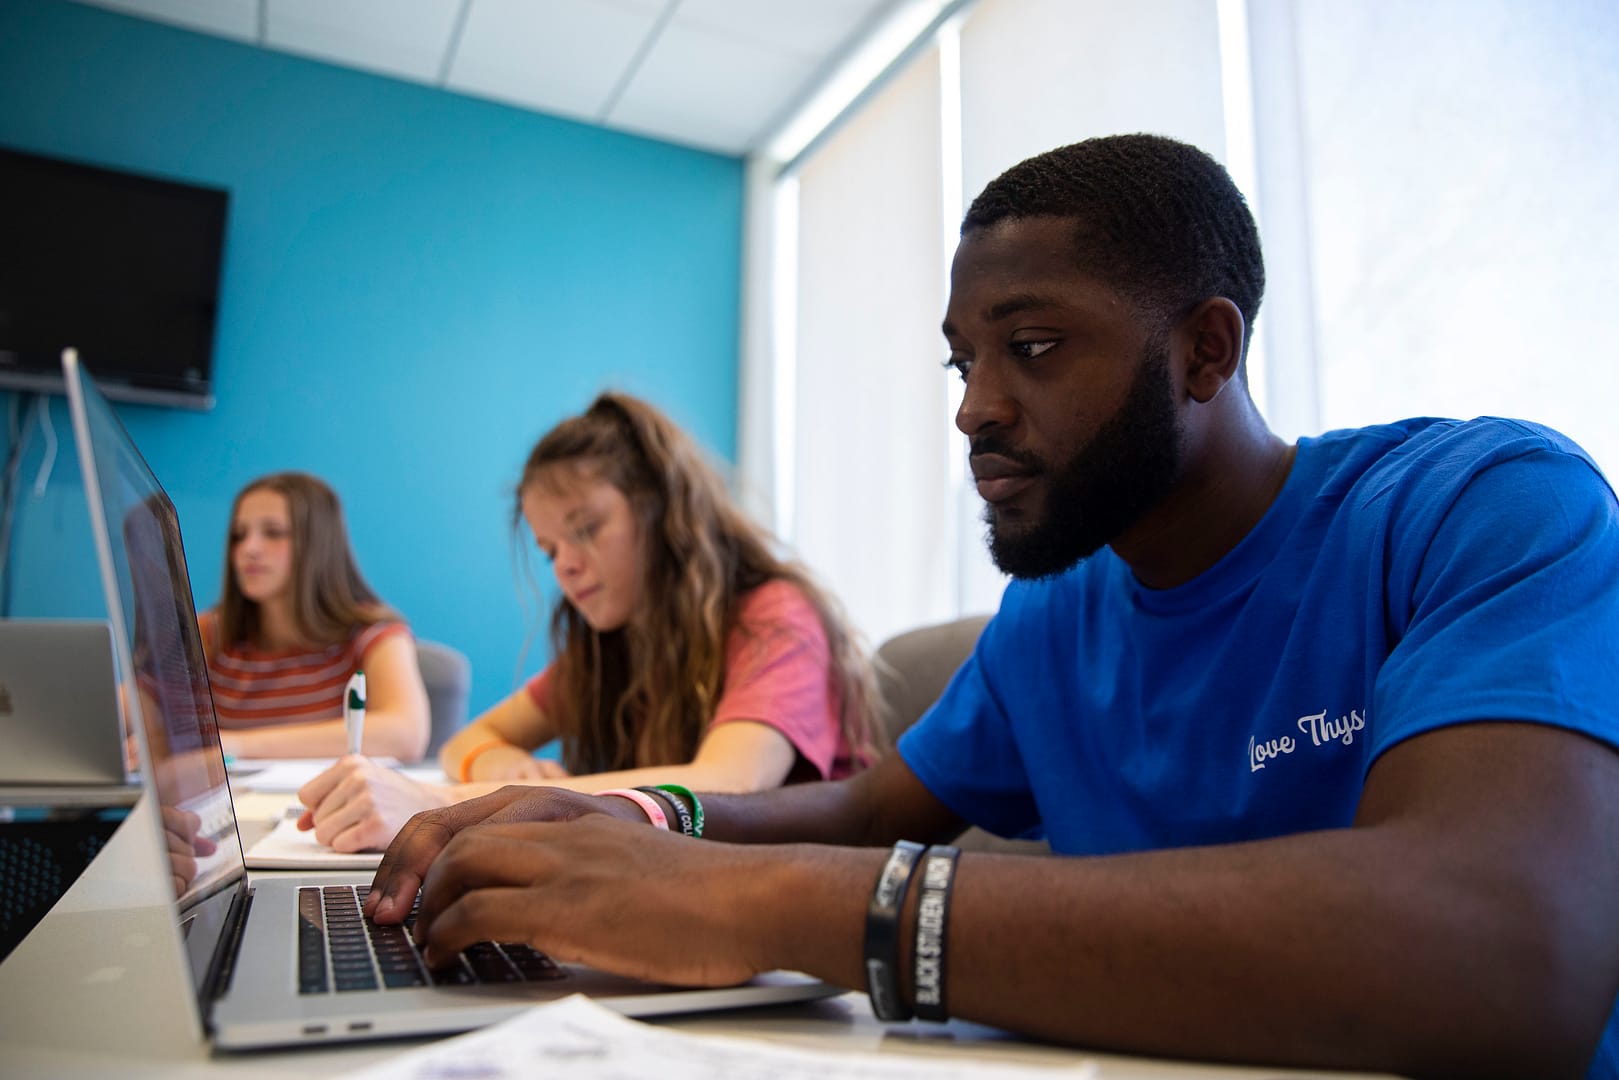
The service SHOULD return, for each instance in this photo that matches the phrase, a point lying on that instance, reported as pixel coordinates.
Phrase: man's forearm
(800, 813)
(1273, 952)
(876, 807)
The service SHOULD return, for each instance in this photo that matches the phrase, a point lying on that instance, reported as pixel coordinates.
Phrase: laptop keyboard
(341, 950)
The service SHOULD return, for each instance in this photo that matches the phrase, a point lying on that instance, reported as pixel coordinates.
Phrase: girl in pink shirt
(684, 650)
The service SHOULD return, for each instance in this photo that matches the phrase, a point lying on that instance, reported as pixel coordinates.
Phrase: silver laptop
(59, 722)
(286, 959)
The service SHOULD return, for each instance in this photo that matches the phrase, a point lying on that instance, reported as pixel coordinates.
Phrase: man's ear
(1213, 332)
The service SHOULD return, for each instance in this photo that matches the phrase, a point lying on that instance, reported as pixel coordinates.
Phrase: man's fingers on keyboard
(426, 833)
(416, 846)
(495, 856)
(490, 914)
(399, 874)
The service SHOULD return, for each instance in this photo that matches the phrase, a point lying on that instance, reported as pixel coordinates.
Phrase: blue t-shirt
(1407, 577)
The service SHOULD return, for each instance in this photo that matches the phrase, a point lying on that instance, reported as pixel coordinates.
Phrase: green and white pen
(354, 710)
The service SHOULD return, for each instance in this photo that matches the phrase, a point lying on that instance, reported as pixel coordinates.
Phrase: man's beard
(1130, 464)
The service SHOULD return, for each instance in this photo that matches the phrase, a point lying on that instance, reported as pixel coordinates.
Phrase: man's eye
(1028, 350)
(960, 364)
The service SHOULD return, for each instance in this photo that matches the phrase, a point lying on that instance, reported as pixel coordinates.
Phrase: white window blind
(1460, 163)
(871, 509)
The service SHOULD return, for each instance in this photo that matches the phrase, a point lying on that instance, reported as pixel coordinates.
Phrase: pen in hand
(354, 710)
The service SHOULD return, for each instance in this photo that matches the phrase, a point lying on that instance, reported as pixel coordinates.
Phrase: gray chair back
(447, 674)
(913, 669)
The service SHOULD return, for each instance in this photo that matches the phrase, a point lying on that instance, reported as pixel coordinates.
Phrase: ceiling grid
(711, 74)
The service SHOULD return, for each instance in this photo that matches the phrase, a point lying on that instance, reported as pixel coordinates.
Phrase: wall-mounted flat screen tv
(125, 268)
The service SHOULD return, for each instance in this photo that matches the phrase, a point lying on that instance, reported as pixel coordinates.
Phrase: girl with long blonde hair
(684, 650)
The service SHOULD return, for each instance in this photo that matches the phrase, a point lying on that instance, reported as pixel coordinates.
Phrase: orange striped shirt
(254, 688)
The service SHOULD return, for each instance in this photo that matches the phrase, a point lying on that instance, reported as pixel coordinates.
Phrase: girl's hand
(513, 764)
(358, 805)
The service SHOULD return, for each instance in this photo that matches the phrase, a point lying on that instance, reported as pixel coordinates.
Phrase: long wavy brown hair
(644, 694)
(329, 597)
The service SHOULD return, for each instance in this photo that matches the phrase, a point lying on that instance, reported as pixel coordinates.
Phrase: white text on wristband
(932, 916)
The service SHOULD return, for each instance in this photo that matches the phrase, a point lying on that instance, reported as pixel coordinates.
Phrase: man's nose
(986, 400)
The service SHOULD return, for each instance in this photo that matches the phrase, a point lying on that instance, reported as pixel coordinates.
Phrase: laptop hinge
(230, 943)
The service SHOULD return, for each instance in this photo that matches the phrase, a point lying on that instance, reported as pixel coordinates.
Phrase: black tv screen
(124, 268)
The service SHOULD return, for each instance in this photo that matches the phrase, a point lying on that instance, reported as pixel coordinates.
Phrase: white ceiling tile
(404, 38)
(562, 56)
(237, 19)
(815, 31)
(711, 89)
(716, 74)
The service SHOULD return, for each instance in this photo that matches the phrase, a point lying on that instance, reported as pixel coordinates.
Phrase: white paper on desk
(579, 1039)
(286, 848)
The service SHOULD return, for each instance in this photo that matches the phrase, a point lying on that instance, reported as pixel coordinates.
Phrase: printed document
(581, 1040)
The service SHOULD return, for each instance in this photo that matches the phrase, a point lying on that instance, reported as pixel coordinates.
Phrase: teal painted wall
(416, 285)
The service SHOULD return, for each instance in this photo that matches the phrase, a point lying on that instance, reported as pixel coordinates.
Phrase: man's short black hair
(1157, 219)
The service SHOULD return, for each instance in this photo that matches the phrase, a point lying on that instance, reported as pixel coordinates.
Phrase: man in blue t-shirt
(1328, 729)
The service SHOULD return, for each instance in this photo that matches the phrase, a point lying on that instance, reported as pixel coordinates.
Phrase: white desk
(843, 1024)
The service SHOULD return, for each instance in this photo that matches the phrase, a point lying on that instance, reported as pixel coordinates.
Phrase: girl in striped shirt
(295, 619)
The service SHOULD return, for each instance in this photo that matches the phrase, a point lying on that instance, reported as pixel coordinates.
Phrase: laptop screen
(162, 672)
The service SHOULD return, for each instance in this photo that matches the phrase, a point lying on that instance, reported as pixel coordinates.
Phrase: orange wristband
(466, 762)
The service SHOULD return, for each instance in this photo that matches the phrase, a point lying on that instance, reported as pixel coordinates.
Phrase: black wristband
(682, 814)
(882, 931)
(686, 794)
(932, 919)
